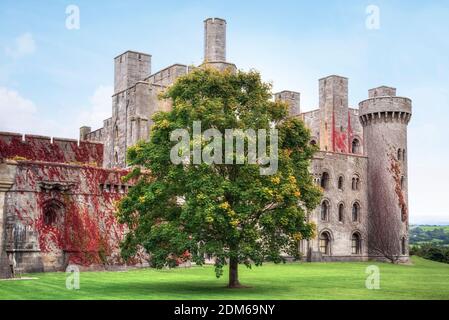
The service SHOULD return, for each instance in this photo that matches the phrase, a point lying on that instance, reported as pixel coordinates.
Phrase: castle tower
(384, 118)
(292, 98)
(333, 100)
(129, 68)
(214, 40)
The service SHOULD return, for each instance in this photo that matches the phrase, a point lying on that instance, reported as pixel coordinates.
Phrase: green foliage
(226, 211)
(425, 234)
(431, 251)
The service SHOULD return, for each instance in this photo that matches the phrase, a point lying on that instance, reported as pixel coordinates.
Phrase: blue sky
(53, 80)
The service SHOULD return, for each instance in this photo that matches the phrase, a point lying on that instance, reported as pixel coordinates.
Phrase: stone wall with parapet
(58, 214)
(42, 148)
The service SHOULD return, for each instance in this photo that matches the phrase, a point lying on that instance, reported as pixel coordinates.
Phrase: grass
(422, 280)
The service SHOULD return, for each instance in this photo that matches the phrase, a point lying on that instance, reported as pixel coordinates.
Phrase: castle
(57, 196)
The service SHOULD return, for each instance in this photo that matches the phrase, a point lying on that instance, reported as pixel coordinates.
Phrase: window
(402, 182)
(341, 211)
(340, 183)
(356, 146)
(355, 212)
(355, 243)
(325, 180)
(116, 132)
(399, 154)
(324, 243)
(403, 155)
(325, 210)
(313, 142)
(403, 246)
(53, 210)
(116, 157)
(355, 182)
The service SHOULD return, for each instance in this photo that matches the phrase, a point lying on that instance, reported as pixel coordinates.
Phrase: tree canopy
(226, 211)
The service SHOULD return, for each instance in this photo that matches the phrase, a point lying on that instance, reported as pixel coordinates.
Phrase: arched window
(355, 243)
(325, 243)
(341, 212)
(116, 157)
(355, 182)
(52, 212)
(325, 210)
(356, 146)
(325, 180)
(403, 246)
(116, 132)
(403, 155)
(399, 154)
(355, 212)
(340, 183)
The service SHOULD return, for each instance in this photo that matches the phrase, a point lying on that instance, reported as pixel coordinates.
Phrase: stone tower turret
(384, 118)
(129, 68)
(292, 98)
(333, 100)
(214, 40)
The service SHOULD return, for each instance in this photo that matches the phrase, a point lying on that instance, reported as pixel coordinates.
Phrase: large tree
(230, 212)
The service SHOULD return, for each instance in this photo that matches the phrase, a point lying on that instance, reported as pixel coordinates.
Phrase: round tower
(215, 40)
(384, 118)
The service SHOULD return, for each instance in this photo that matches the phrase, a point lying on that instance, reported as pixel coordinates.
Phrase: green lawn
(422, 280)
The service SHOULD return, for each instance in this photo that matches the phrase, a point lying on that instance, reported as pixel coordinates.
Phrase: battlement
(292, 98)
(168, 75)
(382, 91)
(385, 109)
(43, 148)
(129, 68)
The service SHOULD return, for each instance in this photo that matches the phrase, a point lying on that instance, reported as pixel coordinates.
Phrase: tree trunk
(234, 273)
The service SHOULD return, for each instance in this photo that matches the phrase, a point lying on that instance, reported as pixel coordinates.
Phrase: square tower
(334, 135)
(129, 68)
(292, 98)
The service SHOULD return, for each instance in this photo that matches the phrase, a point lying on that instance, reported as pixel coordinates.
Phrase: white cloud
(17, 112)
(99, 108)
(23, 45)
(20, 114)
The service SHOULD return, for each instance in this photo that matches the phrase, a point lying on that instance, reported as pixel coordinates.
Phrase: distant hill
(437, 234)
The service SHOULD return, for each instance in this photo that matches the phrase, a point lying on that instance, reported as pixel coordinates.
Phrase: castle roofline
(132, 51)
(332, 75)
(287, 91)
(166, 68)
(213, 19)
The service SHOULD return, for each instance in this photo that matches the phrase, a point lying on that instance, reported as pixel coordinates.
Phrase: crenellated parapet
(385, 109)
(47, 149)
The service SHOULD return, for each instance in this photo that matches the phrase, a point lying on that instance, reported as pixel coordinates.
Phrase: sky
(55, 78)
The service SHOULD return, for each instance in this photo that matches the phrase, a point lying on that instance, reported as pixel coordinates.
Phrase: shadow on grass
(187, 290)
